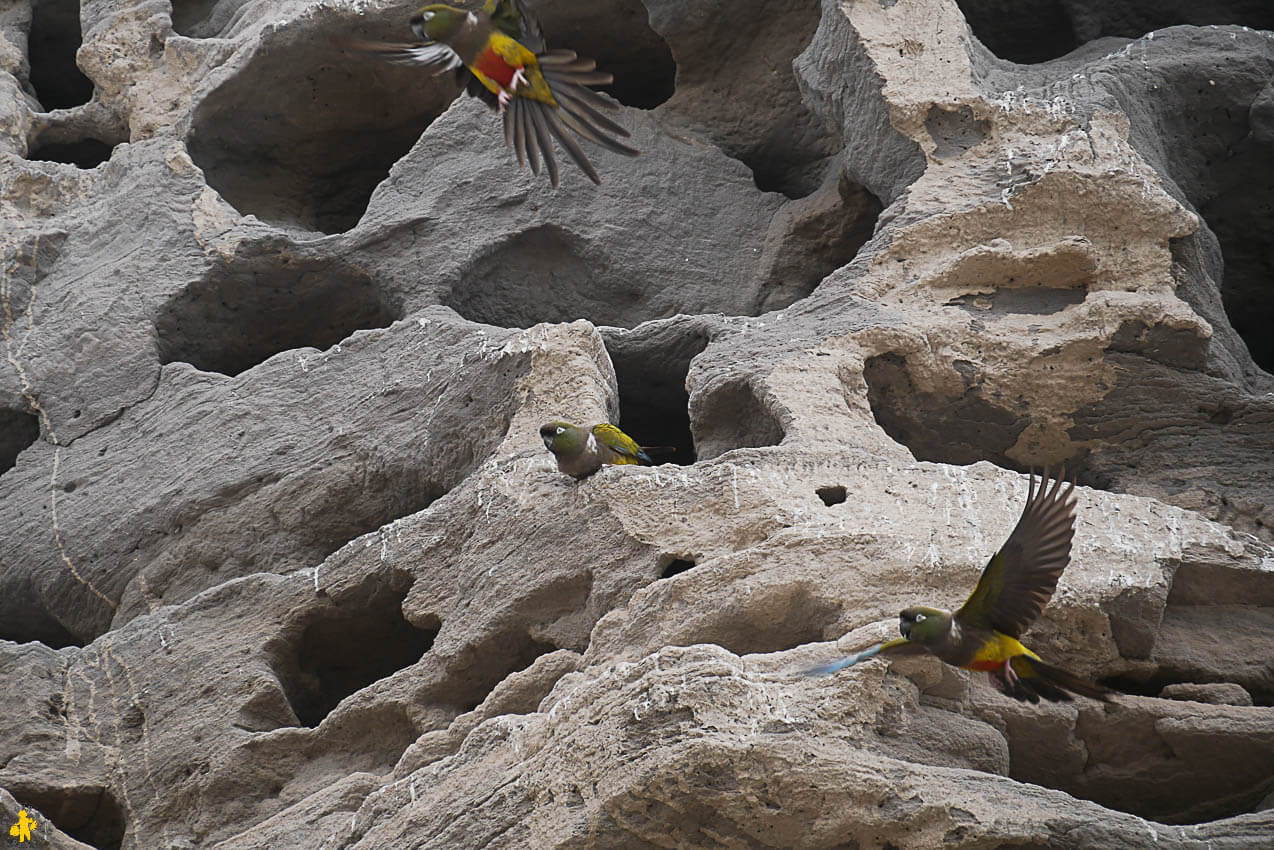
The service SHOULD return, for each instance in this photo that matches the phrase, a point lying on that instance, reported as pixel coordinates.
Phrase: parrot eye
(426, 16)
(560, 430)
(920, 618)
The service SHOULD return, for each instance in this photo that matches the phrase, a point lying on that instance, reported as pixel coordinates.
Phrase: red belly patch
(492, 65)
(986, 666)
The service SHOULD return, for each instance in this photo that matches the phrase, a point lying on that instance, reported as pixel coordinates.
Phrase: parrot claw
(1005, 679)
(505, 96)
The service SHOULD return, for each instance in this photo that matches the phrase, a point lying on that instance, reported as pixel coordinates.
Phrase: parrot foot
(1004, 679)
(519, 79)
(504, 98)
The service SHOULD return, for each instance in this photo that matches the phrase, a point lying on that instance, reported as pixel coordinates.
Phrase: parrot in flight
(581, 451)
(1015, 586)
(500, 55)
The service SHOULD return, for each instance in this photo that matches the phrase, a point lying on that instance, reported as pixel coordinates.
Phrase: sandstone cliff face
(283, 562)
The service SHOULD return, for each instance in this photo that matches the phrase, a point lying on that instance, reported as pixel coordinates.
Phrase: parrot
(1016, 584)
(500, 56)
(581, 451)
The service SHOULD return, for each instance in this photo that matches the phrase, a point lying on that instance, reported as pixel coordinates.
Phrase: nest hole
(55, 37)
(773, 619)
(491, 662)
(961, 430)
(87, 153)
(1022, 31)
(303, 133)
(1237, 203)
(1032, 31)
(204, 18)
(670, 566)
(733, 416)
(820, 234)
(547, 274)
(651, 365)
(18, 431)
(786, 146)
(618, 36)
(831, 495)
(86, 813)
(245, 311)
(343, 647)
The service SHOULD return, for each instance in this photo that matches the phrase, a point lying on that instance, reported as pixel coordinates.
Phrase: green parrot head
(924, 625)
(562, 438)
(438, 22)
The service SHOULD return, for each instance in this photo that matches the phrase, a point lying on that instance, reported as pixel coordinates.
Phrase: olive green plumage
(581, 451)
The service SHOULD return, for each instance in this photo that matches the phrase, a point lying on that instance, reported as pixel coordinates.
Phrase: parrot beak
(548, 441)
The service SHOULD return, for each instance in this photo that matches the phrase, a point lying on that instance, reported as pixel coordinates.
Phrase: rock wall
(283, 562)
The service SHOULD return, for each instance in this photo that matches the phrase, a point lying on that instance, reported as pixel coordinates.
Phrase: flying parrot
(1015, 586)
(500, 56)
(581, 451)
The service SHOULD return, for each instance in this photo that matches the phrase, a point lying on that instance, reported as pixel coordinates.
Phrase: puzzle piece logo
(22, 829)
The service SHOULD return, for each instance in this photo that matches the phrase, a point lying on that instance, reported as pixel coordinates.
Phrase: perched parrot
(581, 452)
(1015, 586)
(501, 57)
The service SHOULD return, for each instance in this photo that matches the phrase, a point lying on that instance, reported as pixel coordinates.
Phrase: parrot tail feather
(582, 108)
(527, 130)
(585, 130)
(1036, 679)
(557, 57)
(512, 138)
(544, 140)
(842, 663)
(583, 78)
(555, 118)
(1070, 682)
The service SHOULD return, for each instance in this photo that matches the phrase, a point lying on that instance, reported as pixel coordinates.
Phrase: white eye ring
(426, 16)
(561, 430)
(920, 618)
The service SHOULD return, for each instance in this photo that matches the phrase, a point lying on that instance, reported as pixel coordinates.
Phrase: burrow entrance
(245, 311)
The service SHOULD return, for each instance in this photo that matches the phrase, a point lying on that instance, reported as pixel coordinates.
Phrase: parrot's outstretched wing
(433, 55)
(1019, 579)
(620, 443)
(897, 646)
(530, 125)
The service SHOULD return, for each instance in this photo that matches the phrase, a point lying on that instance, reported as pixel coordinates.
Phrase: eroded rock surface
(283, 562)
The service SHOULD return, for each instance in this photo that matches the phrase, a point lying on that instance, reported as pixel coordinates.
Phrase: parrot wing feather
(1020, 578)
(619, 442)
(434, 55)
